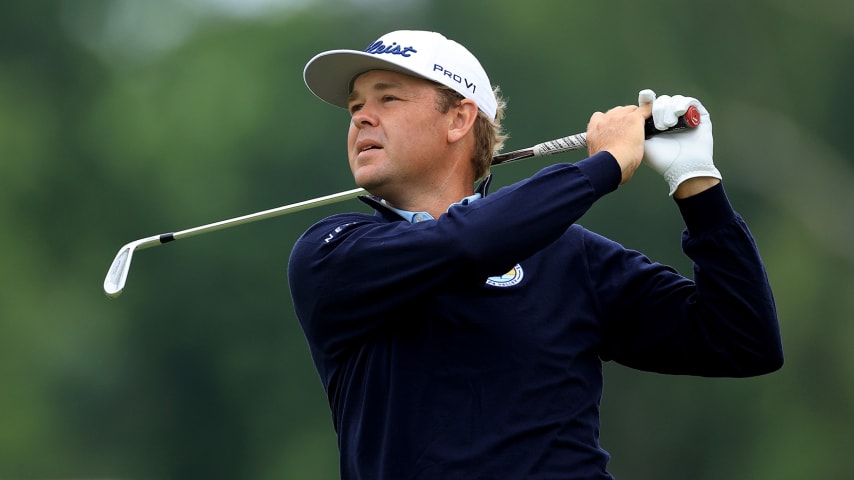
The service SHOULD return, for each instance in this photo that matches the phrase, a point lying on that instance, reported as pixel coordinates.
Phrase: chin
(368, 182)
(367, 175)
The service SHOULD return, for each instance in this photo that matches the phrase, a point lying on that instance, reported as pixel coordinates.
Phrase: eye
(389, 98)
(355, 108)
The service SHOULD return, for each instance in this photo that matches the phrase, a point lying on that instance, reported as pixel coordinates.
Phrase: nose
(365, 116)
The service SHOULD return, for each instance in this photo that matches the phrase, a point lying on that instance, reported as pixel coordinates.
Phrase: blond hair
(488, 134)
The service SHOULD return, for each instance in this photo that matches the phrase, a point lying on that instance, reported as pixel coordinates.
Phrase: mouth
(367, 145)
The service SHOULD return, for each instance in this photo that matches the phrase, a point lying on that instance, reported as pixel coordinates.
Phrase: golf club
(114, 283)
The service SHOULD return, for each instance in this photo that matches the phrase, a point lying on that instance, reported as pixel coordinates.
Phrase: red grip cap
(692, 117)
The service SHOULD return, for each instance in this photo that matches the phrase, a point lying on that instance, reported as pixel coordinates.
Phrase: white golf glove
(684, 154)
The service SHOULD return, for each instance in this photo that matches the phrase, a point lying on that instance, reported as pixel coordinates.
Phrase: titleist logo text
(379, 47)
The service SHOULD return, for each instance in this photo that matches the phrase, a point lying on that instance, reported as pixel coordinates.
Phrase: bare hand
(620, 132)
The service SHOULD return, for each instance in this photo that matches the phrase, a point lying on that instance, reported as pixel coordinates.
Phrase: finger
(645, 109)
(662, 112)
(646, 96)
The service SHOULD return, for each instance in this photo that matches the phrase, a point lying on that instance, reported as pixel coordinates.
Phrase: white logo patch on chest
(509, 279)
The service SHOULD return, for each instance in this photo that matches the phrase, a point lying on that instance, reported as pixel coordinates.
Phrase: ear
(462, 120)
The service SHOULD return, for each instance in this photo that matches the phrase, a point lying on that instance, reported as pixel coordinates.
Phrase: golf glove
(684, 154)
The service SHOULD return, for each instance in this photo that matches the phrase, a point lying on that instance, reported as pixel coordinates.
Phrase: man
(460, 335)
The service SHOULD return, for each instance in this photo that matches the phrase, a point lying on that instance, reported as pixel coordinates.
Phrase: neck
(433, 194)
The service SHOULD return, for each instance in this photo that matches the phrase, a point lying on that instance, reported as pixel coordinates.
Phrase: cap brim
(329, 75)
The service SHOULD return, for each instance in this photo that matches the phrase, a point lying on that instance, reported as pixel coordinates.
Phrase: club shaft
(572, 142)
(263, 215)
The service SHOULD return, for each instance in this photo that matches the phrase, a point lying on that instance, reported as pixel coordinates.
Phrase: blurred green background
(120, 119)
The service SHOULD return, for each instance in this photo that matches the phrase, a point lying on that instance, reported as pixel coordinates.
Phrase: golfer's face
(396, 133)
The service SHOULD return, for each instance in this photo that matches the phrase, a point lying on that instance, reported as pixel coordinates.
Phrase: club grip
(690, 120)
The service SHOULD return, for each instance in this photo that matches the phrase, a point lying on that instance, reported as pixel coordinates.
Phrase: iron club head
(117, 275)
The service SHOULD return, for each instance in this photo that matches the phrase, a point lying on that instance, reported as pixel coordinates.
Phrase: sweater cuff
(707, 210)
(603, 171)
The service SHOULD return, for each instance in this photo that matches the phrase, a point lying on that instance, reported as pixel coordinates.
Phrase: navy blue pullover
(471, 346)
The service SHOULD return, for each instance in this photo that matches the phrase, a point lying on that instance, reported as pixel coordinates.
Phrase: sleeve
(721, 323)
(349, 272)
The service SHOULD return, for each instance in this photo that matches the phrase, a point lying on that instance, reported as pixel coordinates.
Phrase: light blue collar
(415, 217)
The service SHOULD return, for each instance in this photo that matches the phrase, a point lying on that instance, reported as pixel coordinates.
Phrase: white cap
(329, 75)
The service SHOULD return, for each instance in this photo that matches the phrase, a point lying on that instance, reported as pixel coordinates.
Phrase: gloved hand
(680, 155)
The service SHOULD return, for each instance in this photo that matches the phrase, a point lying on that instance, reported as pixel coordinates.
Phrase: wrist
(683, 170)
(693, 186)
